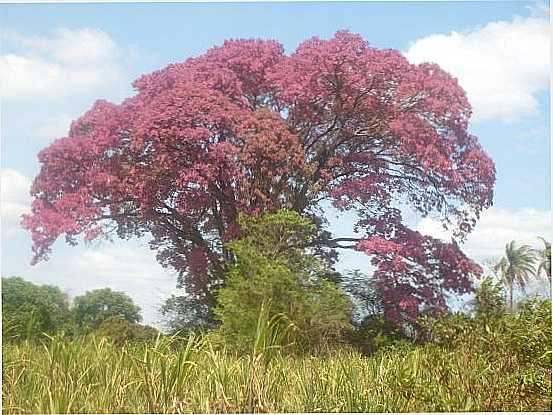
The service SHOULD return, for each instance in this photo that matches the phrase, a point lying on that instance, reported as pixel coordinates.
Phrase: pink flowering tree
(246, 128)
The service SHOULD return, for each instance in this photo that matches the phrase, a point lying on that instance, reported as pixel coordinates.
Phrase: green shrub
(375, 333)
(489, 300)
(448, 330)
(10, 328)
(528, 333)
(187, 314)
(120, 331)
(366, 294)
(523, 338)
(272, 266)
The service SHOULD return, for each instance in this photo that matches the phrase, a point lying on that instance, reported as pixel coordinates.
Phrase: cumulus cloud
(502, 66)
(66, 62)
(123, 266)
(127, 266)
(14, 199)
(496, 228)
(53, 128)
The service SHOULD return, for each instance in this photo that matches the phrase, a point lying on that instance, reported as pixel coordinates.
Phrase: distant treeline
(30, 310)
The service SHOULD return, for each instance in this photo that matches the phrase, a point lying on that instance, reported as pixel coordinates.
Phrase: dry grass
(91, 375)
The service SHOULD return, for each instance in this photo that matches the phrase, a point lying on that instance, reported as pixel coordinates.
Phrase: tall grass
(91, 375)
(204, 374)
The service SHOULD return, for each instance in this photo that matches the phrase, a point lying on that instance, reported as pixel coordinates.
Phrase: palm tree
(516, 267)
(544, 259)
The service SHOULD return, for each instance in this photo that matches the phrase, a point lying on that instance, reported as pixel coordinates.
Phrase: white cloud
(496, 228)
(68, 62)
(501, 66)
(54, 128)
(81, 46)
(127, 266)
(14, 199)
(123, 266)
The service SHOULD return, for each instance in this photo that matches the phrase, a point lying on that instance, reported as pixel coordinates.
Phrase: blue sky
(58, 58)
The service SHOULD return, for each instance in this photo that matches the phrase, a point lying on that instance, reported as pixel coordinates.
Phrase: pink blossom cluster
(247, 128)
(414, 271)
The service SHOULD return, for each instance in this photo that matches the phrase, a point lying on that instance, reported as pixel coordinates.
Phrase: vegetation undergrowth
(502, 364)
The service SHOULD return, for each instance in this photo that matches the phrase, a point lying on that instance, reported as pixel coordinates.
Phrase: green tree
(544, 259)
(489, 300)
(274, 265)
(185, 313)
(95, 306)
(365, 293)
(29, 309)
(516, 267)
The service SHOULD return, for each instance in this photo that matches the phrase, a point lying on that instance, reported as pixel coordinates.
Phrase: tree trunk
(511, 297)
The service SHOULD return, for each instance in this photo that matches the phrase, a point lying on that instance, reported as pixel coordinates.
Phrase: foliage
(11, 329)
(273, 266)
(489, 301)
(29, 310)
(531, 332)
(516, 267)
(448, 330)
(272, 333)
(523, 338)
(95, 306)
(90, 375)
(544, 260)
(374, 333)
(365, 293)
(245, 128)
(186, 314)
(121, 331)
(519, 344)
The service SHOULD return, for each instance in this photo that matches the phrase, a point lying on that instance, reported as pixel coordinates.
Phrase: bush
(375, 333)
(121, 331)
(447, 330)
(489, 301)
(272, 266)
(523, 338)
(528, 333)
(29, 309)
(366, 294)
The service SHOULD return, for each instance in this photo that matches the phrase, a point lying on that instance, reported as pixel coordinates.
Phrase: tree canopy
(95, 306)
(32, 309)
(516, 267)
(245, 128)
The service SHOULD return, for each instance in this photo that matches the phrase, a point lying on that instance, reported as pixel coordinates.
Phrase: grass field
(92, 375)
